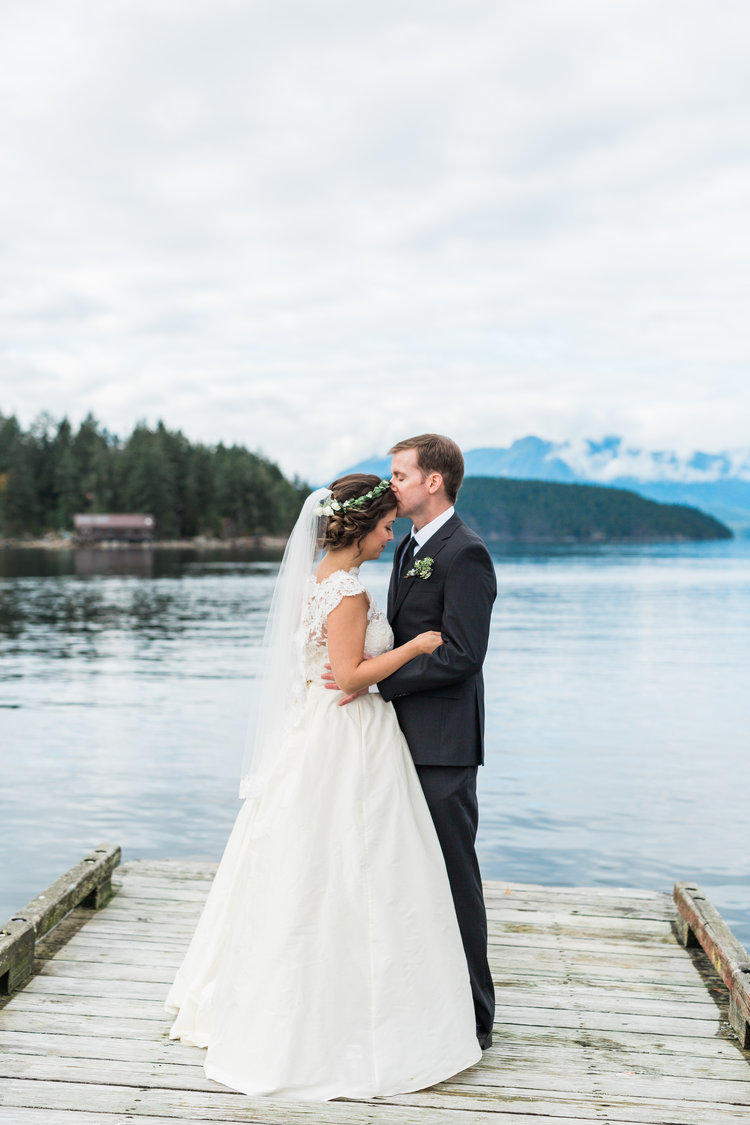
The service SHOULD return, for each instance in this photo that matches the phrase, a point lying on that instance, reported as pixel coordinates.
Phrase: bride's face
(375, 542)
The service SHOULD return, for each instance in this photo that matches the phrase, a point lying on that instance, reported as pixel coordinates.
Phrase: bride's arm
(347, 624)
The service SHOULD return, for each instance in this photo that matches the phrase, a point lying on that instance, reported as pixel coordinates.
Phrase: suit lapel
(399, 591)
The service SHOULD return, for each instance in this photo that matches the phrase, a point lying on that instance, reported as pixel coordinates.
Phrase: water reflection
(124, 560)
(39, 562)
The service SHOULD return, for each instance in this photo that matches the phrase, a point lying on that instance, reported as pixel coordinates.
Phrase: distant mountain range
(717, 483)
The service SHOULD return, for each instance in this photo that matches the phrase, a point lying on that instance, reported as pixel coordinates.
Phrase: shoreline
(279, 542)
(200, 542)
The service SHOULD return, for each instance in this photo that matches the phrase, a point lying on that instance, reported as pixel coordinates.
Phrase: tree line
(52, 471)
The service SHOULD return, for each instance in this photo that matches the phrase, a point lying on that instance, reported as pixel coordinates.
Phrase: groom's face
(408, 483)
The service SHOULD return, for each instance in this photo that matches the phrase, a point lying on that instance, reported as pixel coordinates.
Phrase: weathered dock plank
(602, 1016)
(549, 1074)
(89, 882)
(543, 1051)
(700, 924)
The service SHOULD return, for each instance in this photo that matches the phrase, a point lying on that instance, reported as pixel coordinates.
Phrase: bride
(327, 961)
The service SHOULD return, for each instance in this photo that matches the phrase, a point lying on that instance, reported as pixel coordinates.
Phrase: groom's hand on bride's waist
(330, 683)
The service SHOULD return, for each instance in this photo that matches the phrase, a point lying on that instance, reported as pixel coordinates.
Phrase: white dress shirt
(430, 528)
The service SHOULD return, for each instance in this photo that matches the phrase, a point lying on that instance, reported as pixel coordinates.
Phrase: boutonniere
(422, 569)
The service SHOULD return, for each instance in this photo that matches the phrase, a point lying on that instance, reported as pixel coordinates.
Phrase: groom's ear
(434, 482)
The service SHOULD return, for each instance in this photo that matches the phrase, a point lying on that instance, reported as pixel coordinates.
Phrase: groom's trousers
(451, 793)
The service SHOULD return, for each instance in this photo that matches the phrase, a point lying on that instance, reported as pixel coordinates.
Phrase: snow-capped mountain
(610, 461)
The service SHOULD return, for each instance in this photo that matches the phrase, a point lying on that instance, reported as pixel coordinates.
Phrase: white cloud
(313, 227)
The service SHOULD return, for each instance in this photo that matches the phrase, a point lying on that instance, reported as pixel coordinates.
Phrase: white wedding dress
(327, 961)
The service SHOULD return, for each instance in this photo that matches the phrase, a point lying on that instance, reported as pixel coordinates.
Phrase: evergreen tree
(202, 512)
(19, 505)
(91, 456)
(64, 476)
(148, 482)
(42, 434)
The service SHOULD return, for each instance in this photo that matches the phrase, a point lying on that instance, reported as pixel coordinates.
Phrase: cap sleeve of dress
(341, 584)
(324, 597)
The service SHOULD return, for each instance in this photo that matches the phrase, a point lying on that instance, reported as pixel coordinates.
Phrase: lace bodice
(323, 597)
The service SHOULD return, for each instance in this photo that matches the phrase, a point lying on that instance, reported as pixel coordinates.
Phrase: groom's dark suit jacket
(439, 698)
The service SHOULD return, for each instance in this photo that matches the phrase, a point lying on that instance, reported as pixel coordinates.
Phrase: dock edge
(87, 884)
(699, 923)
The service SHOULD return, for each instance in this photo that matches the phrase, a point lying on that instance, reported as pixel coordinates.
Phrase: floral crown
(330, 506)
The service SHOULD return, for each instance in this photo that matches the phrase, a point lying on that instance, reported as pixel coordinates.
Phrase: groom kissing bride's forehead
(426, 474)
(439, 696)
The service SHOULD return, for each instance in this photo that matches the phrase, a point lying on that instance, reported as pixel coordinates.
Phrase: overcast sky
(317, 227)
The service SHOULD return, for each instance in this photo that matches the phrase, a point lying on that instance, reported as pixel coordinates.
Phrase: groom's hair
(437, 454)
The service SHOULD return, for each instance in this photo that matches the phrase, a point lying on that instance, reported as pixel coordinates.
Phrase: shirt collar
(430, 528)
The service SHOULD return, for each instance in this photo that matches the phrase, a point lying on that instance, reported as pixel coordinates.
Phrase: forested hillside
(529, 511)
(52, 471)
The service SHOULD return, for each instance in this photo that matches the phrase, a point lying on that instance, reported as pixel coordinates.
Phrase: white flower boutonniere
(422, 569)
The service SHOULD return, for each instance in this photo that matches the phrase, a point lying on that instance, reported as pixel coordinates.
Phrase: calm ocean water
(617, 683)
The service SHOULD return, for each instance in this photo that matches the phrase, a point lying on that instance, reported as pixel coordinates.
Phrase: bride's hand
(428, 642)
(330, 683)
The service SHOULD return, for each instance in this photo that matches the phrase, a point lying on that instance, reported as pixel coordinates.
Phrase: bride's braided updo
(353, 524)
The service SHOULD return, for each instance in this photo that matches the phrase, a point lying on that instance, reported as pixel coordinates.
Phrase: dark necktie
(408, 557)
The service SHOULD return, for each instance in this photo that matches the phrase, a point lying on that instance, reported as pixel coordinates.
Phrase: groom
(443, 579)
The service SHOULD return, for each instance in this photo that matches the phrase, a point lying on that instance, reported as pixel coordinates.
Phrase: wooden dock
(602, 1016)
